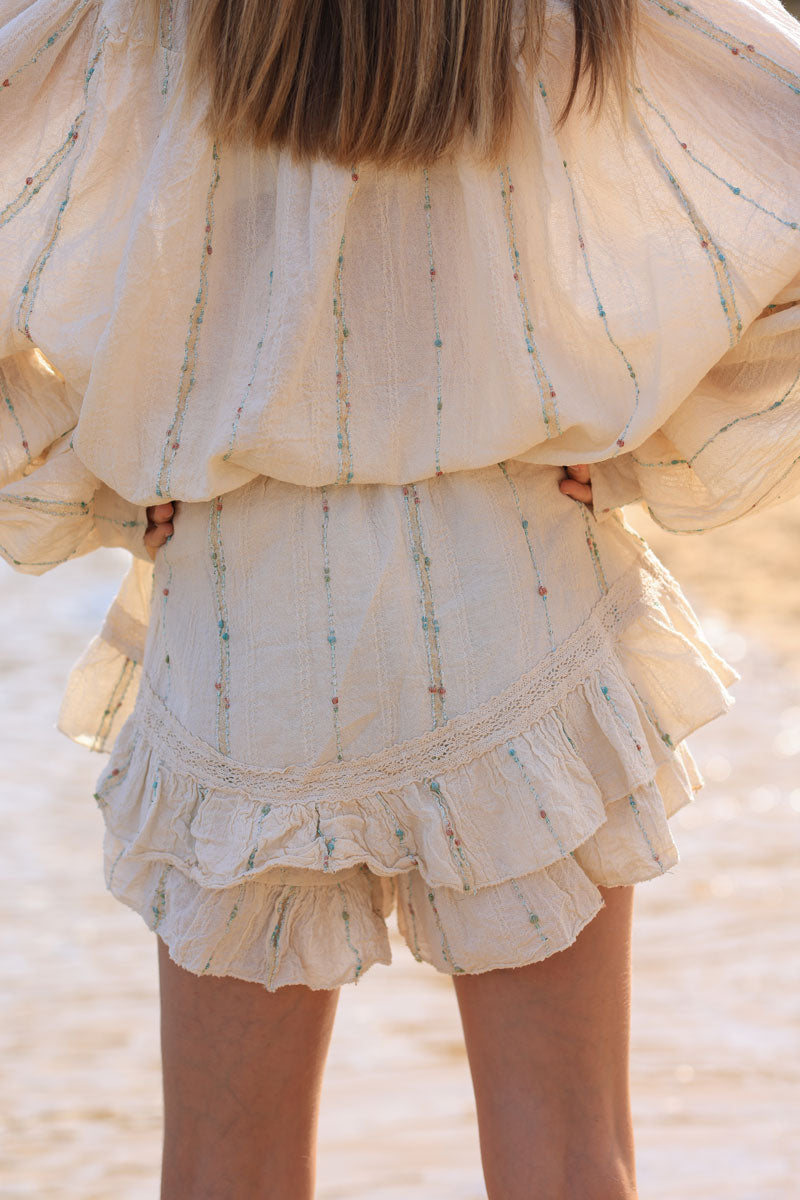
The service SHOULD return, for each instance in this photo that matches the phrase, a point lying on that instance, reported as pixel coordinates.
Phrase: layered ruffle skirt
(463, 700)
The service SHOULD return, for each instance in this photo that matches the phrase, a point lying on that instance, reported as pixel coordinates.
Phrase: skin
(548, 1051)
(547, 1046)
(159, 526)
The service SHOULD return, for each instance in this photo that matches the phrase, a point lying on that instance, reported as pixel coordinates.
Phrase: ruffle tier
(491, 834)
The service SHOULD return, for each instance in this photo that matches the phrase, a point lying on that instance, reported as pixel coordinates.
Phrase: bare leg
(242, 1070)
(548, 1049)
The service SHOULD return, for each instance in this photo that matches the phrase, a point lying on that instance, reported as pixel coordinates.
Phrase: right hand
(159, 526)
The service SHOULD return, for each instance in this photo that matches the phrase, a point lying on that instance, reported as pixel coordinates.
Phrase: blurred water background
(716, 1005)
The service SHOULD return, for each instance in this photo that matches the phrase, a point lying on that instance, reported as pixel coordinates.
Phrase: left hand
(578, 485)
(159, 526)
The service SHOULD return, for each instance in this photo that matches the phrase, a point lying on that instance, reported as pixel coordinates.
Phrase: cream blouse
(178, 317)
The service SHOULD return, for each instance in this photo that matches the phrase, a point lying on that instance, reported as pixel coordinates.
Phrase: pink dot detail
(29, 179)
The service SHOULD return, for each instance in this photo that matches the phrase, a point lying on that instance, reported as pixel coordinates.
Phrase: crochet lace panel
(463, 739)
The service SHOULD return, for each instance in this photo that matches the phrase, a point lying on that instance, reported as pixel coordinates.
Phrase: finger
(578, 491)
(158, 513)
(579, 471)
(157, 535)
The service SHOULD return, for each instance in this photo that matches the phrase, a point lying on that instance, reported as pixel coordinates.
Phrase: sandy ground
(716, 1006)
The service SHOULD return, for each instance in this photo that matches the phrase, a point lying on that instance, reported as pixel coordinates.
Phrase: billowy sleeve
(732, 447)
(51, 507)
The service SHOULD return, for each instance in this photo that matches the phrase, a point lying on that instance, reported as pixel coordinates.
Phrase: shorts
(462, 700)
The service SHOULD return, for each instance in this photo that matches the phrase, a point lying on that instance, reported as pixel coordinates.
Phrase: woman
(313, 305)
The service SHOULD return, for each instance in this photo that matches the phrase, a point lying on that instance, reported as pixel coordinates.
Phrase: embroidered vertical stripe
(189, 365)
(285, 904)
(746, 52)
(532, 917)
(453, 840)
(326, 574)
(165, 37)
(430, 625)
(346, 919)
(541, 589)
(415, 950)
(222, 683)
(547, 392)
(542, 810)
(600, 306)
(437, 338)
(638, 819)
(715, 256)
(30, 288)
(257, 358)
(45, 46)
(341, 333)
(594, 550)
(232, 917)
(114, 703)
(732, 187)
(447, 953)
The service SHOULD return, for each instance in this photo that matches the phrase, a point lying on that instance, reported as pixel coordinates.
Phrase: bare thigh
(242, 1072)
(548, 1049)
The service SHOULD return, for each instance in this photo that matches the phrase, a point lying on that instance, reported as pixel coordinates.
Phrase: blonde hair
(395, 82)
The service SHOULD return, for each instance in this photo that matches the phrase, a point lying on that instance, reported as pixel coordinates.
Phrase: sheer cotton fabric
(213, 314)
(384, 660)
